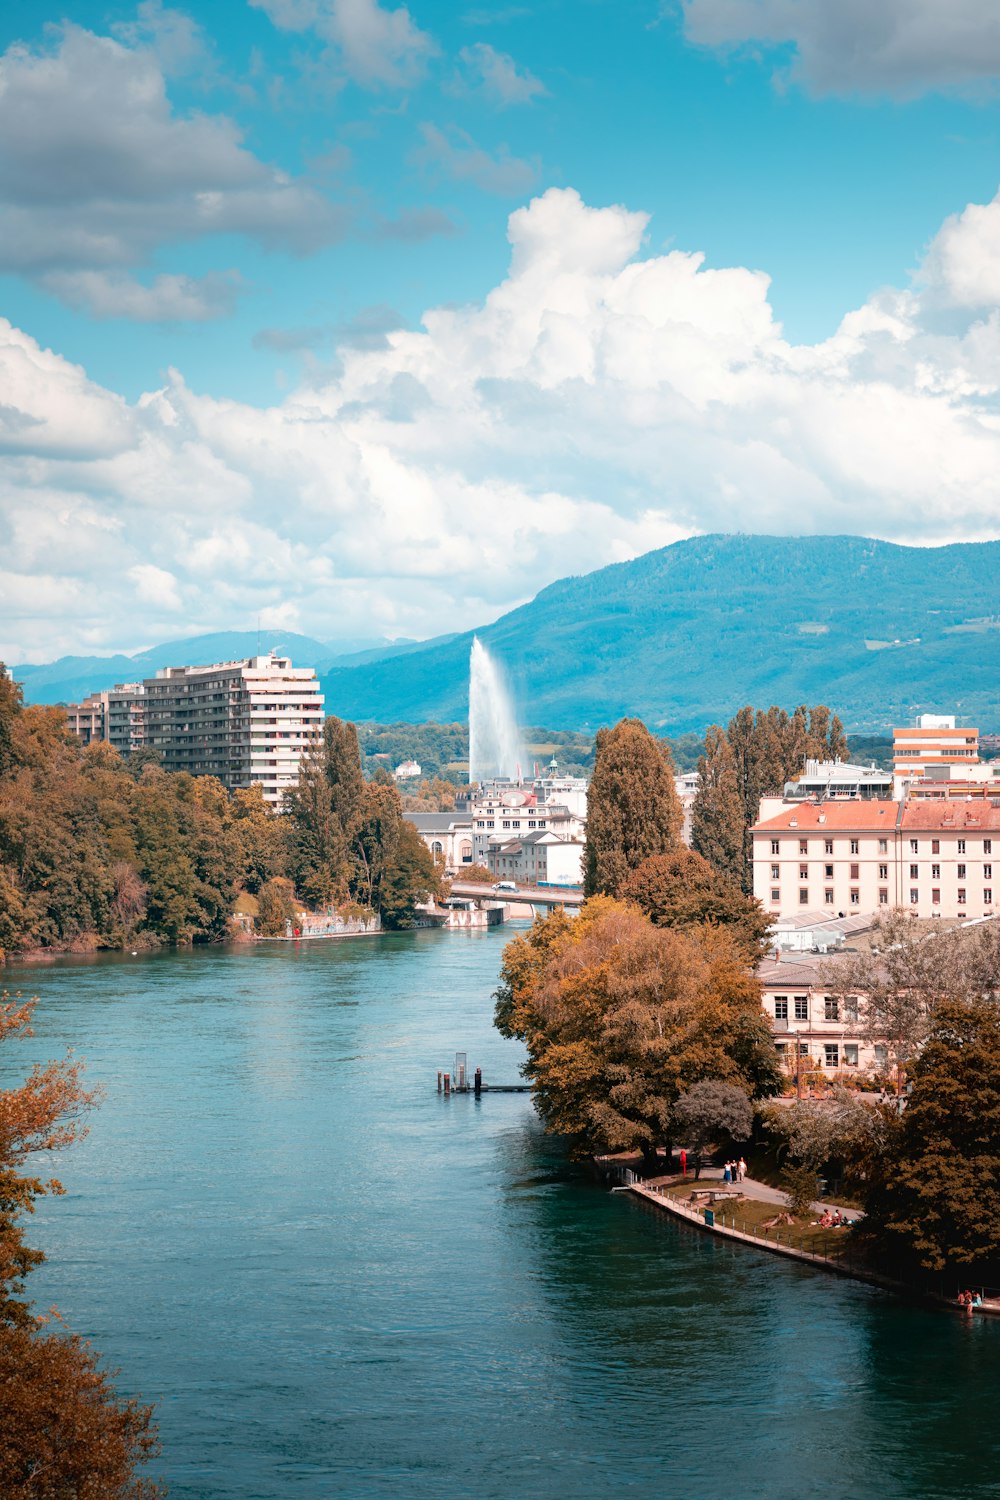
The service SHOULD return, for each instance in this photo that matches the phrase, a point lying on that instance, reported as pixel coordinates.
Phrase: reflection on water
(336, 1283)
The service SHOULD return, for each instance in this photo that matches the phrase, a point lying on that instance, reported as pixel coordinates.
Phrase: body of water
(335, 1283)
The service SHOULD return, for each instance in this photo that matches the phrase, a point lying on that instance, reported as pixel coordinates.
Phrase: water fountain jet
(494, 743)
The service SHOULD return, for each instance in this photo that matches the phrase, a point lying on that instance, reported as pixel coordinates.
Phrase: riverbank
(656, 1191)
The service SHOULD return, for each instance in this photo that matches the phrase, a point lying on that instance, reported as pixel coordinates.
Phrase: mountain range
(681, 637)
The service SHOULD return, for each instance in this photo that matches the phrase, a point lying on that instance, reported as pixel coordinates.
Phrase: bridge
(525, 895)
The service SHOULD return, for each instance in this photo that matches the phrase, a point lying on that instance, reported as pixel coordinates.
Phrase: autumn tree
(620, 1018)
(632, 806)
(276, 907)
(709, 1110)
(683, 890)
(717, 813)
(63, 1431)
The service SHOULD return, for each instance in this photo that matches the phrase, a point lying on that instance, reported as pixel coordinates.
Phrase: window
(775, 872)
(851, 1008)
(914, 897)
(831, 1008)
(914, 846)
(961, 895)
(780, 1010)
(803, 872)
(854, 846)
(804, 896)
(883, 846)
(935, 896)
(883, 872)
(987, 872)
(961, 872)
(914, 872)
(987, 846)
(832, 1057)
(850, 1054)
(801, 1007)
(881, 1057)
(775, 846)
(987, 897)
(855, 898)
(803, 846)
(935, 846)
(961, 846)
(855, 872)
(883, 896)
(775, 897)
(828, 872)
(827, 898)
(828, 846)
(935, 872)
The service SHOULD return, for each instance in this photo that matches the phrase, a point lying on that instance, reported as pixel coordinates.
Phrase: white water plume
(494, 742)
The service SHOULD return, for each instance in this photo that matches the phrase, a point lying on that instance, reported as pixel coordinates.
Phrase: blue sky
(227, 208)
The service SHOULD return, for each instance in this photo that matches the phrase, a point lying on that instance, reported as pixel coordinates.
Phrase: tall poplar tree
(717, 813)
(633, 810)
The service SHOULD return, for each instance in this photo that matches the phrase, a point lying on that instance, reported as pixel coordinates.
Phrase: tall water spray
(494, 743)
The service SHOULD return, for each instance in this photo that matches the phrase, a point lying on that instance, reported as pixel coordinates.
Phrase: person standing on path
(727, 1173)
(741, 1170)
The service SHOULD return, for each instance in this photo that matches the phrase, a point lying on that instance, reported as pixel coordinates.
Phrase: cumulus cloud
(97, 171)
(499, 77)
(378, 48)
(900, 47)
(599, 401)
(457, 155)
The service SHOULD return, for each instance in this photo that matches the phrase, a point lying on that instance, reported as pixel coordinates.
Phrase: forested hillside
(686, 635)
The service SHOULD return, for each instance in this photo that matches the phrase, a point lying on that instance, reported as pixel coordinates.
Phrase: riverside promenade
(781, 1240)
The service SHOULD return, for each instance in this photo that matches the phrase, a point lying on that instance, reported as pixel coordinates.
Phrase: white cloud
(378, 48)
(97, 171)
(599, 401)
(458, 156)
(499, 76)
(116, 294)
(900, 47)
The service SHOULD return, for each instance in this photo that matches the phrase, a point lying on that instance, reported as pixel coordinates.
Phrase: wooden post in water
(447, 1085)
(478, 1082)
(440, 1076)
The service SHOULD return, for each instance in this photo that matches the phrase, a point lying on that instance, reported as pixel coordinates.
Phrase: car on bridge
(505, 885)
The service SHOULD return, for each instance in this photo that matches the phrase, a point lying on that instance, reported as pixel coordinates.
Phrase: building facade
(815, 1029)
(448, 836)
(858, 857)
(539, 858)
(248, 723)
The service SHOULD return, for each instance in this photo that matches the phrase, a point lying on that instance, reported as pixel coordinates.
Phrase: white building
(839, 779)
(539, 858)
(500, 815)
(448, 836)
(249, 723)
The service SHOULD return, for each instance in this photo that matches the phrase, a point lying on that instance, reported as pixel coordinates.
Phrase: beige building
(814, 1029)
(448, 836)
(857, 857)
(539, 858)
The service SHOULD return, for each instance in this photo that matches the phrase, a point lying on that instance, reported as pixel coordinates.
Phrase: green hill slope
(687, 634)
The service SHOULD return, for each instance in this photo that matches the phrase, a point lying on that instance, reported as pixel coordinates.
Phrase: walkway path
(751, 1188)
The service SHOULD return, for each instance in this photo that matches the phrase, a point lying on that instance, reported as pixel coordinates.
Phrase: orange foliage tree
(64, 1432)
(620, 1018)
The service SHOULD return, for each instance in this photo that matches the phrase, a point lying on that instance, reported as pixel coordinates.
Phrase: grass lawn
(765, 1167)
(750, 1214)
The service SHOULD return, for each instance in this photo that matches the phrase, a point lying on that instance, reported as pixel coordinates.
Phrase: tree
(711, 1109)
(938, 1203)
(620, 1018)
(717, 812)
(801, 1188)
(11, 701)
(632, 806)
(410, 877)
(276, 907)
(63, 1432)
(682, 890)
(342, 768)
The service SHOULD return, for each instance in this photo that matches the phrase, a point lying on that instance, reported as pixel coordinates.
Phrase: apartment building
(500, 815)
(248, 722)
(87, 719)
(853, 857)
(537, 859)
(933, 742)
(125, 716)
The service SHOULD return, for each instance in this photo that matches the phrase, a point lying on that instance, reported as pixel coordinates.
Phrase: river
(335, 1283)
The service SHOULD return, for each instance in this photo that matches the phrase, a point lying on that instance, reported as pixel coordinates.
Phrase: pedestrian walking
(741, 1170)
(727, 1173)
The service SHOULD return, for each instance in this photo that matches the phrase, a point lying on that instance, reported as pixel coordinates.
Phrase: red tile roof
(952, 815)
(858, 814)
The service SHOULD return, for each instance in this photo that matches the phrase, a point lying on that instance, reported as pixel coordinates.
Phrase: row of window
(883, 846)
(836, 1054)
(831, 1007)
(961, 896)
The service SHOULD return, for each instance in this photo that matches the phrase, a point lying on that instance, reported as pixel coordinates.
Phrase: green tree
(717, 813)
(632, 806)
(342, 767)
(410, 877)
(683, 890)
(10, 706)
(709, 1110)
(276, 907)
(938, 1202)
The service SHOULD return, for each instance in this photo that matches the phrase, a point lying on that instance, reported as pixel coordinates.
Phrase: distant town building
(448, 836)
(407, 770)
(816, 1031)
(838, 779)
(539, 858)
(87, 719)
(125, 716)
(933, 742)
(498, 816)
